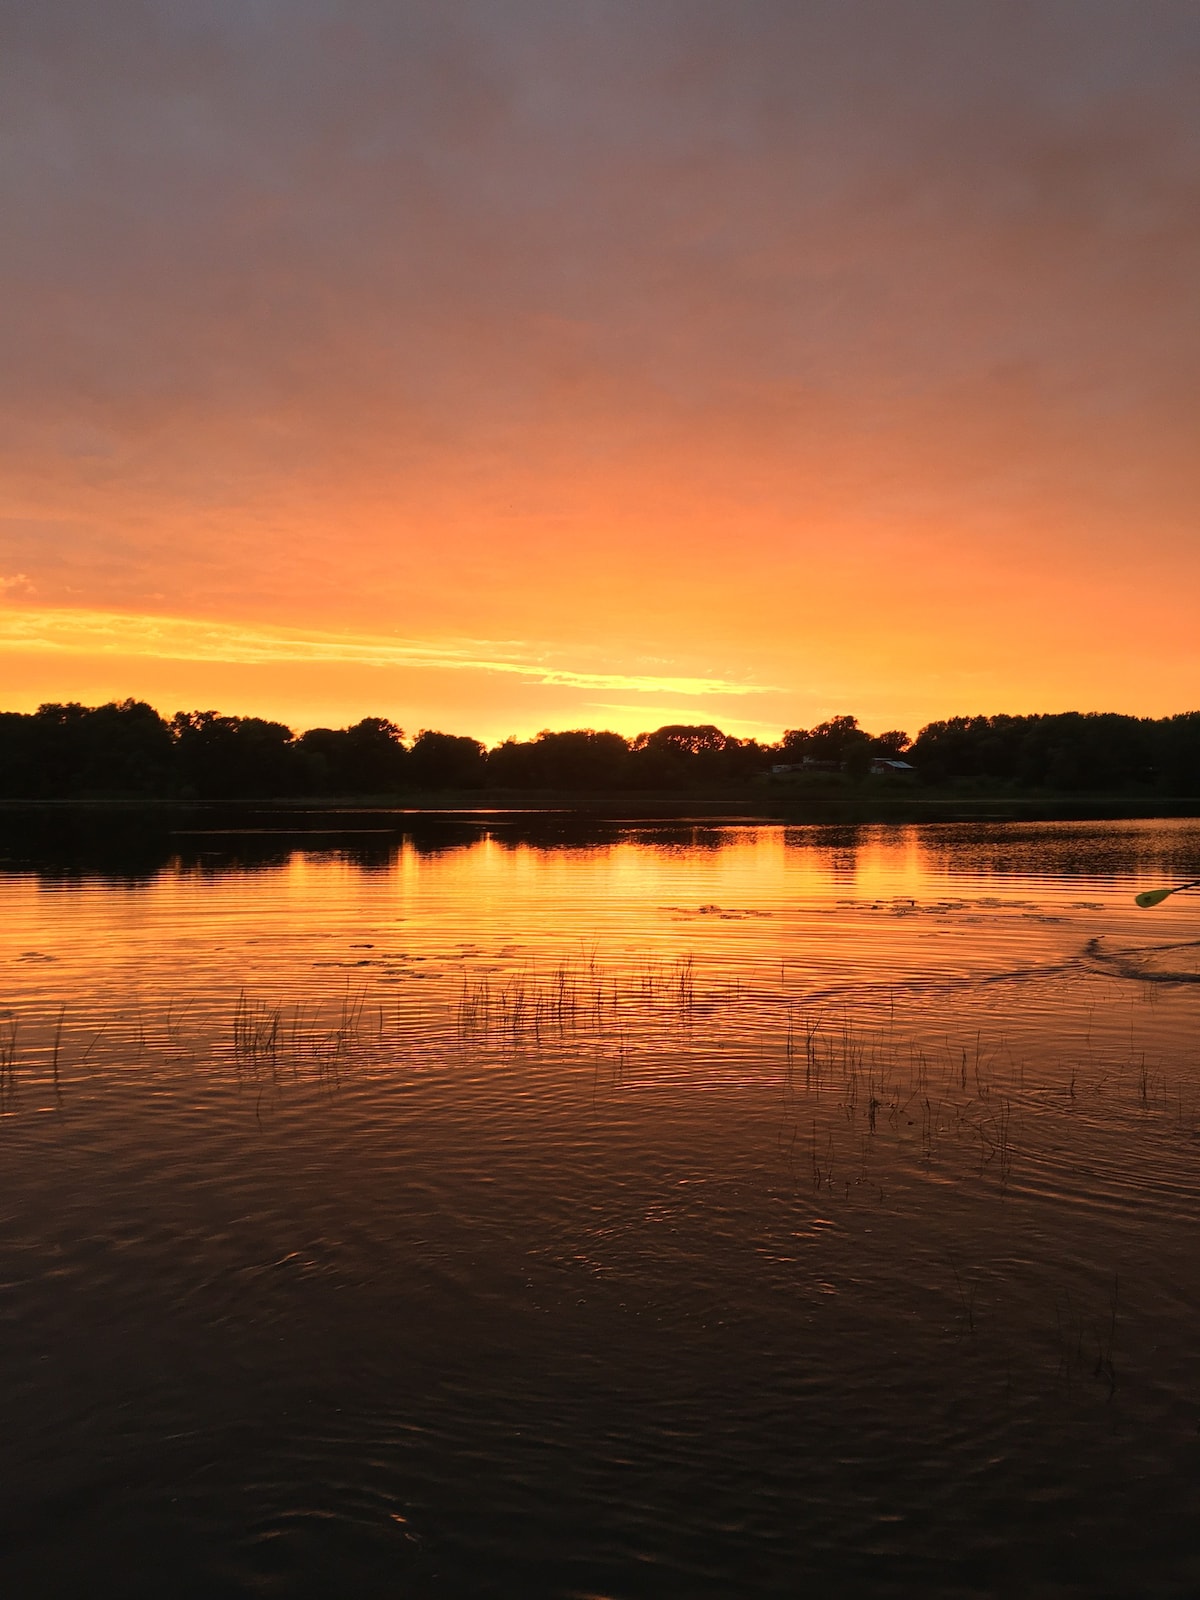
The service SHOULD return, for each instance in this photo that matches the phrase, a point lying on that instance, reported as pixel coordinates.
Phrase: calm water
(503, 1208)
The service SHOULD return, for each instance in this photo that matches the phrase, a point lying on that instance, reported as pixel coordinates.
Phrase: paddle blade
(1151, 897)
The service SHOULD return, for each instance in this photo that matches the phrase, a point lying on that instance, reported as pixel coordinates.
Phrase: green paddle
(1155, 897)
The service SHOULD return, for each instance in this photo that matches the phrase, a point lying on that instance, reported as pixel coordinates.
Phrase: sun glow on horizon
(803, 361)
(137, 640)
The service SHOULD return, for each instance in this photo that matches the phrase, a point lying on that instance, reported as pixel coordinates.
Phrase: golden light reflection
(729, 897)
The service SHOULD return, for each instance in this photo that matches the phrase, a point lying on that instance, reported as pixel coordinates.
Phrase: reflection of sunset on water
(611, 1135)
(852, 916)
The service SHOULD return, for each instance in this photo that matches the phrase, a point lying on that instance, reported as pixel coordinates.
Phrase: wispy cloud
(841, 343)
(67, 631)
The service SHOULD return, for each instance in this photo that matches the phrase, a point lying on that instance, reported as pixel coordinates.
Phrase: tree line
(127, 749)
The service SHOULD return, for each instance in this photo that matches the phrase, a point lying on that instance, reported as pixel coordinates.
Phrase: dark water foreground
(488, 1209)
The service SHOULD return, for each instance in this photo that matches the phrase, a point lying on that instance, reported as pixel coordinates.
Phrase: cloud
(93, 633)
(741, 328)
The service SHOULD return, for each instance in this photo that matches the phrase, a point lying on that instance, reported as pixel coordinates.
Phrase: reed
(966, 1301)
(8, 1063)
(255, 1029)
(1106, 1339)
(58, 1034)
(1073, 1337)
(876, 1088)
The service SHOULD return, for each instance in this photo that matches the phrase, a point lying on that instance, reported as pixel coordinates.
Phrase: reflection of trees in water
(135, 844)
(66, 842)
(836, 848)
(1141, 846)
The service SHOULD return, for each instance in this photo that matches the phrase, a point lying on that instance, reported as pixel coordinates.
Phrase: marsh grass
(966, 1300)
(876, 1087)
(8, 1062)
(572, 998)
(57, 1051)
(1086, 1342)
(1106, 1339)
(274, 1039)
(873, 1107)
(255, 1029)
(966, 1107)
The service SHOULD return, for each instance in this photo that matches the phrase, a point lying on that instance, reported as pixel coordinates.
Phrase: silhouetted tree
(122, 748)
(368, 758)
(223, 757)
(1176, 744)
(125, 748)
(681, 740)
(1067, 750)
(578, 759)
(835, 739)
(680, 754)
(446, 761)
(830, 741)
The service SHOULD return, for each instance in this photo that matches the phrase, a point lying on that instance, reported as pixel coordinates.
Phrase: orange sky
(495, 366)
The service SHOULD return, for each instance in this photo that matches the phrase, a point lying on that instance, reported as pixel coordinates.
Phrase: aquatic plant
(8, 1063)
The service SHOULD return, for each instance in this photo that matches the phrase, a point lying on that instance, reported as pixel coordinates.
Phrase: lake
(518, 1205)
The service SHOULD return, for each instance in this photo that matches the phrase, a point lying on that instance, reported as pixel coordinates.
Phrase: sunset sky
(495, 365)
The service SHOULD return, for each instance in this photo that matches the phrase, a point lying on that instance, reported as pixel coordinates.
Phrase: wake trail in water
(966, 983)
(1131, 962)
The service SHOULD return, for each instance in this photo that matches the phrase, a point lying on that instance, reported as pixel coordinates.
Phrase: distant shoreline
(777, 806)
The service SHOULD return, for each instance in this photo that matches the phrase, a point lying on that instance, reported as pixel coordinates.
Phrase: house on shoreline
(880, 766)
